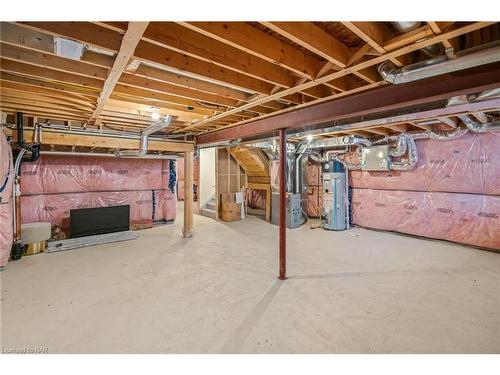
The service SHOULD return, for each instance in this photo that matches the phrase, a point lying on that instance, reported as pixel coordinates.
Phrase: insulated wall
(55, 184)
(452, 194)
(6, 202)
(180, 178)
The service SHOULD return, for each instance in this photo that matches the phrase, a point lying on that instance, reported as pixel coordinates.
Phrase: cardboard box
(231, 211)
(228, 198)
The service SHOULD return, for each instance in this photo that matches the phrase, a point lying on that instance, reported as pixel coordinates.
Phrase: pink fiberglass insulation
(255, 198)
(274, 173)
(471, 219)
(55, 208)
(179, 168)
(6, 202)
(180, 176)
(6, 232)
(180, 190)
(59, 174)
(166, 205)
(469, 164)
(312, 202)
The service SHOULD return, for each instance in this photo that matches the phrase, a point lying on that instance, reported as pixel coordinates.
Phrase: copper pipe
(282, 228)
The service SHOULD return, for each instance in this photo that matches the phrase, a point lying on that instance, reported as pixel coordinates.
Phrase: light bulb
(309, 137)
(155, 115)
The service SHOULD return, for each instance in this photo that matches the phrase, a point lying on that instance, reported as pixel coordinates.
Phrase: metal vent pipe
(143, 146)
(439, 65)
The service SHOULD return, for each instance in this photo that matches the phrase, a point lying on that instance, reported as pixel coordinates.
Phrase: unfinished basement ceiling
(208, 75)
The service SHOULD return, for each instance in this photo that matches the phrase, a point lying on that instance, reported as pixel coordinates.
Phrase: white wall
(207, 175)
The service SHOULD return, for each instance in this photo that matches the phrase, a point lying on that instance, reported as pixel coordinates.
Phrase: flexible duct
(401, 146)
(473, 125)
(143, 146)
(478, 127)
(438, 65)
(439, 135)
(412, 157)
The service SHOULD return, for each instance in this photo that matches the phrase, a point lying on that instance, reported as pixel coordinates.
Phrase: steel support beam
(394, 97)
(282, 226)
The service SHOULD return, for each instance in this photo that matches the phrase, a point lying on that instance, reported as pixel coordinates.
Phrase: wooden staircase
(254, 162)
(256, 165)
(208, 209)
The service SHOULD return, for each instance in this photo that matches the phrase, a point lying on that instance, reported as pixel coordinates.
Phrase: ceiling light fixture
(155, 114)
(68, 49)
(309, 137)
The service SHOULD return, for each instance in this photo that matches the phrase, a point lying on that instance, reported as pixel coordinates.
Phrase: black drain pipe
(17, 248)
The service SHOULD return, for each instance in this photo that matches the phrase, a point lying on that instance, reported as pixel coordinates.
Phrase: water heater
(335, 195)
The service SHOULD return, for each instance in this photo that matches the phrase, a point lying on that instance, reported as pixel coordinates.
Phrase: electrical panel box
(375, 158)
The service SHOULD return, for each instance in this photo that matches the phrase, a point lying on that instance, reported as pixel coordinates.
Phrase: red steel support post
(282, 226)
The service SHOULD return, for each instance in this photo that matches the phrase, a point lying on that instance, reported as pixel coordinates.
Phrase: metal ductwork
(439, 65)
(231, 143)
(406, 26)
(107, 155)
(348, 140)
(490, 94)
(143, 146)
(410, 161)
(472, 124)
(439, 135)
(401, 146)
(478, 127)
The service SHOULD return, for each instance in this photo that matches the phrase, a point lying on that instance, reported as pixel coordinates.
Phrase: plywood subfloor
(358, 291)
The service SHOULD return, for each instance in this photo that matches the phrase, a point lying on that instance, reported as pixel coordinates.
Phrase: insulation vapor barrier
(180, 176)
(55, 184)
(6, 209)
(470, 164)
(472, 219)
(452, 194)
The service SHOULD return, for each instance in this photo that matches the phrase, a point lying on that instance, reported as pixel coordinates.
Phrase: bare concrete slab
(357, 291)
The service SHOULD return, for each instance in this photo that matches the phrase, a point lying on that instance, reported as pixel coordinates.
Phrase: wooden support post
(187, 229)
(282, 226)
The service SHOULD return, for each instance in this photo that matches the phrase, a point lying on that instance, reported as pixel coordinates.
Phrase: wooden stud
(187, 228)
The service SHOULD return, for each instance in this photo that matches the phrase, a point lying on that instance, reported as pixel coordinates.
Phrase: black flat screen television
(99, 220)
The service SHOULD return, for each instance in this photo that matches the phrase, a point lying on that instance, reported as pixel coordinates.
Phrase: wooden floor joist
(212, 75)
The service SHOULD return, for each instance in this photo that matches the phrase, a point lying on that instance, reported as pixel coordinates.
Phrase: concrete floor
(357, 291)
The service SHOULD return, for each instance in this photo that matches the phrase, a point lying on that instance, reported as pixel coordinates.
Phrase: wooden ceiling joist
(358, 67)
(313, 38)
(210, 75)
(129, 43)
(253, 41)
